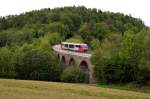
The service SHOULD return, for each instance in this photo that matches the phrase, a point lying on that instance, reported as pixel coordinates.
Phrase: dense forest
(119, 44)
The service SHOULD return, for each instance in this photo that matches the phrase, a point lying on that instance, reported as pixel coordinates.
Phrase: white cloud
(137, 8)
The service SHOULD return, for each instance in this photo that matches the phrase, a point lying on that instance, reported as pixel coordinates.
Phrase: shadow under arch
(63, 60)
(72, 62)
(84, 66)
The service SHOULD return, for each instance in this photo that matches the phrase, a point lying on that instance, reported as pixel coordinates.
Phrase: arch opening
(84, 66)
(72, 62)
(63, 60)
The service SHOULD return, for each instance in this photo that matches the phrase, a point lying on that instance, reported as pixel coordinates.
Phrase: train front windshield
(85, 46)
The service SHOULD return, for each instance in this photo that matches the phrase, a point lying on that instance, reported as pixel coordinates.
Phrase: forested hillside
(119, 43)
(68, 22)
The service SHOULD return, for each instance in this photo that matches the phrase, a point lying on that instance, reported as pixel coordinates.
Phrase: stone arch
(84, 66)
(63, 60)
(72, 62)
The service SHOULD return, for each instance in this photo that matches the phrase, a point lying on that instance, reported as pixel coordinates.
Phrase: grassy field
(21, 89)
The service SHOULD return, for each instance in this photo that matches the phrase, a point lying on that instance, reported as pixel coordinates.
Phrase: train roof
(73, 43)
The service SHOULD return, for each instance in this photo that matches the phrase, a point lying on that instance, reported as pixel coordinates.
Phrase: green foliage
(73, 75)
(117, 64)
(95, 44)
(48, 40)
(101, 30)
(31, 61)
(130, 54)
(143, 40)
(55, 17)
(72, 20)
(54, 38)
(144, 71)
(38, 64)
(55, 27)
(85, 32)
(105, 70)
(94, 30)
(7, 63)
(74, 40)
(126, 62)
(68, 21)
(4, 39)
(37, 61)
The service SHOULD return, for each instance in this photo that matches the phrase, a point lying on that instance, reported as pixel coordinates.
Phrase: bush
(38, 64)
(95, 44)
(74, 40)
(73, 75)
(144, 71)
(107, 68)
(117, 63)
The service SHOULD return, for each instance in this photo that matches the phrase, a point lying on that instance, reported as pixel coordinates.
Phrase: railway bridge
(70, 58)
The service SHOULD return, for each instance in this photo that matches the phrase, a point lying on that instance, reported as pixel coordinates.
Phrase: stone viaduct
(70, 58)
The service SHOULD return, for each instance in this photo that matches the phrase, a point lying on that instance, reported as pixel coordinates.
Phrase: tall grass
(21, 89)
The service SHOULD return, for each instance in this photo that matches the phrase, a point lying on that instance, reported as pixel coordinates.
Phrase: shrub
(74, 40)
(38, 64)
(117, 64)
(73, 75)
(95, 44)
(144, 71)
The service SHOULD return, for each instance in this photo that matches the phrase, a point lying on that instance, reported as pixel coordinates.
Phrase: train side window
(78, 46)
(71, 46)
(66, 45)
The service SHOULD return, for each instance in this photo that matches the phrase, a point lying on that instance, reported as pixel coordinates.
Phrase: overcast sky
(137, 8)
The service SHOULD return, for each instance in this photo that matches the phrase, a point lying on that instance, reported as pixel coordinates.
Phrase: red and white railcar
(79, 47)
